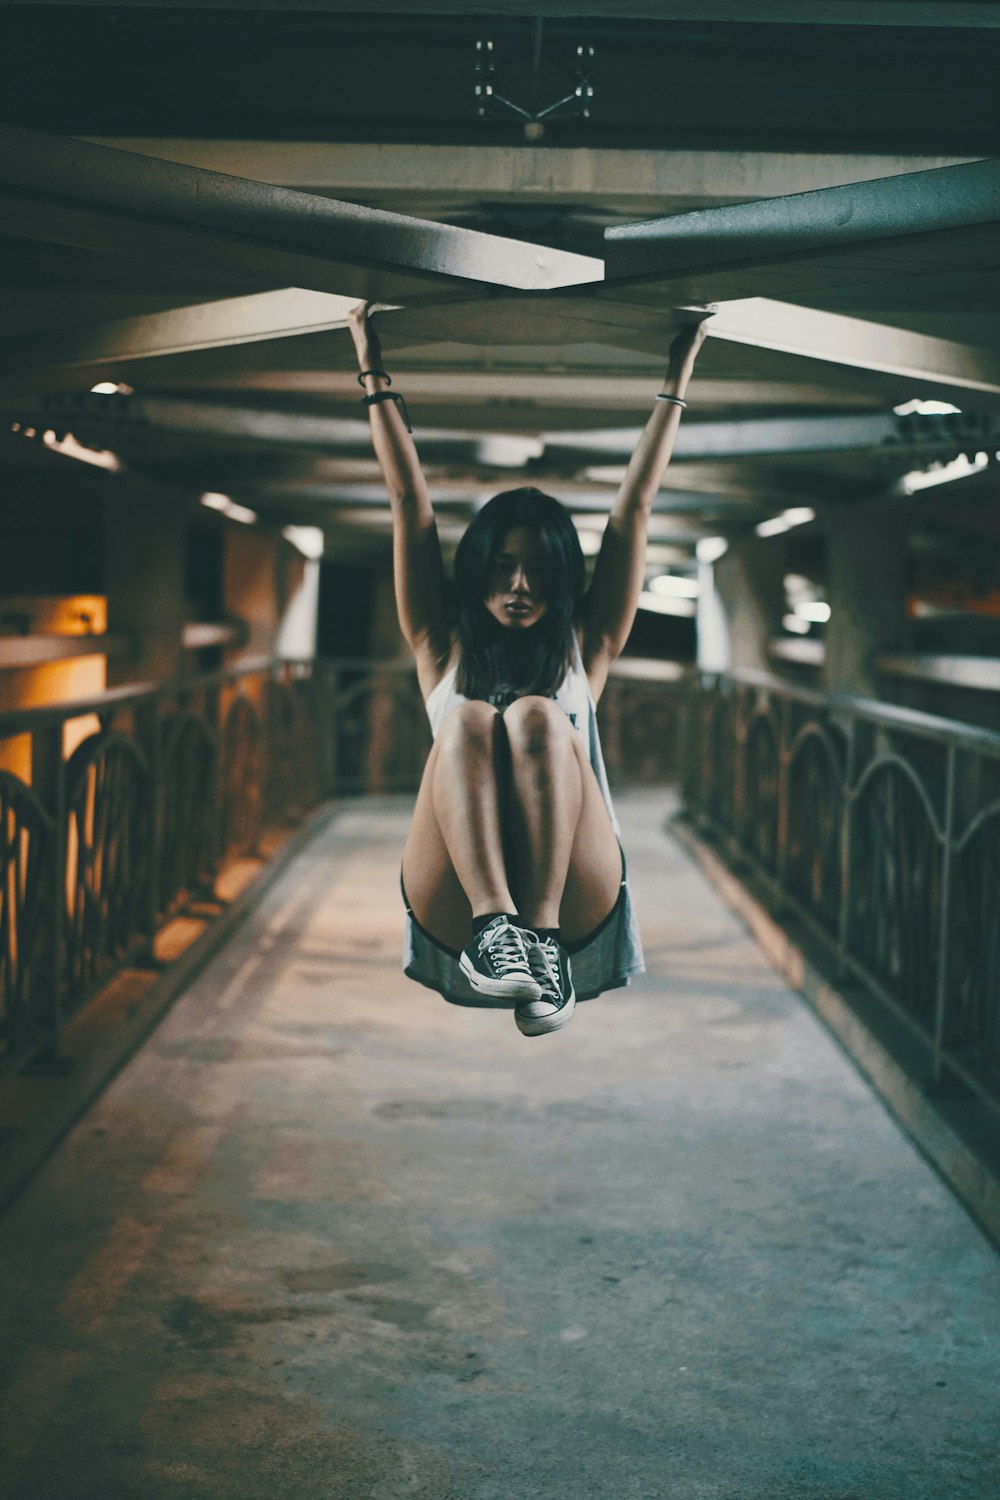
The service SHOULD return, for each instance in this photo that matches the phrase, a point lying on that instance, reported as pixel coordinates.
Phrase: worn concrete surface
(329, 1237)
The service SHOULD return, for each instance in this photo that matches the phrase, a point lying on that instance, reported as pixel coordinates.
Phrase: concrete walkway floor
(328, 1237)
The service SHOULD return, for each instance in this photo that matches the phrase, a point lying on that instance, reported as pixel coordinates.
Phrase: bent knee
(533, 724)
(471, 721)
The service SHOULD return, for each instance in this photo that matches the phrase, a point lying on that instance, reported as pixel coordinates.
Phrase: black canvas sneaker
(550, 965)
(496, 962)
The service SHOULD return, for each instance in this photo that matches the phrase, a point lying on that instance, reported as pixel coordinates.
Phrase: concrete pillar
(250, 586)
(741, 605)
(866, 587)
(296, 634)
(144, 571)
(388, 726)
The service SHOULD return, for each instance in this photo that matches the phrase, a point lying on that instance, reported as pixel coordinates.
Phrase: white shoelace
(505, 946)
(543, 957)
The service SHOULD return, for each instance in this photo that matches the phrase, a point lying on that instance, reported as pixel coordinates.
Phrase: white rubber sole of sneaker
(542, 1025)
(500, 989)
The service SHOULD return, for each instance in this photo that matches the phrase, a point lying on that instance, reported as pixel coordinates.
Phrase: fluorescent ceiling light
(229, 508)
(918, 408)
(605, 473)
(590, 542)
(959, 468)
(671, 585)
(657, 604)
(503, 451)
(110, 388)
(796, 624)
(241, 513)
(308, 539)
(69, 447)
(710, 548)
(816, 610)
(799, 515)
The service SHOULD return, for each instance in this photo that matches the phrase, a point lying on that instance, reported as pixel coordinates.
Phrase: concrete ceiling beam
(614, 181)
(896, 436)
(937, 365)
(75, 193)
(954, 13)
(917, 224)
(101, 350)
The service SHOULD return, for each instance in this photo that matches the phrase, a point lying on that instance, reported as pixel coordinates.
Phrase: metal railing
(130, 804)
(879, 827)
(124, 808)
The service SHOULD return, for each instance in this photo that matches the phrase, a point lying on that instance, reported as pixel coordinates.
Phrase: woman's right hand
(366, 340)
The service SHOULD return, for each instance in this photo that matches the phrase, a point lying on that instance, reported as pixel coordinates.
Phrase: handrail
(887, 847)
(890, 716)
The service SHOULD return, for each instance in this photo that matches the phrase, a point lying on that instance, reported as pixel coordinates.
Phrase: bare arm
(613, 596)
(417, 566)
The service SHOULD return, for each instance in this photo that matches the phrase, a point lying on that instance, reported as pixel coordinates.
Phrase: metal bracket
(574, 105)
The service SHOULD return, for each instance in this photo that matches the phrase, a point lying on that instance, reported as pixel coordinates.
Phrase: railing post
(781, 851)
(147, 725)
(941, 995)
(48, 780)
(334, 766)
(850, 777)
(737, 791)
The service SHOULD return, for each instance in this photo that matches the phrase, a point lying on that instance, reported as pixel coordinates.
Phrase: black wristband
(380, 373)
(377, 397)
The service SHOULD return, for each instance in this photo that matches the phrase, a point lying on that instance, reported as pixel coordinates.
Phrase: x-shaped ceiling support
(445, 285)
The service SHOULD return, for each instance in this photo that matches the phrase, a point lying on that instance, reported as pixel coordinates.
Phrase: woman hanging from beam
(513, 874)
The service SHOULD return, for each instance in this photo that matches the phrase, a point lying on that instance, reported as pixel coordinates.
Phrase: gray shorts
(605, 959)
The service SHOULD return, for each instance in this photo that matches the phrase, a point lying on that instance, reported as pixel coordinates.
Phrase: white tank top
(573, 696)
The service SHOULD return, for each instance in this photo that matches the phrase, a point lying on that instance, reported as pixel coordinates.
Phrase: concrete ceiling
(190, 200)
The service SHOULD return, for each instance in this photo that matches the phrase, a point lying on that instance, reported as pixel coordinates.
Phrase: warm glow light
(658, 604)
(959, 468)
(216, 502)
(798, 515)
(673, 586)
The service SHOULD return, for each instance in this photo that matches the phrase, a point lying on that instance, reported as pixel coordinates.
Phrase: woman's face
(516, 596)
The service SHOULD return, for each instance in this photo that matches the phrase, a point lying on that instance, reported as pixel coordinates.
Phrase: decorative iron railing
(164, 785)
(879, 827)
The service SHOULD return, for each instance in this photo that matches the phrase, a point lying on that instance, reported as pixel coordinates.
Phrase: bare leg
(548, 796)
(466, 800)
(435, 890)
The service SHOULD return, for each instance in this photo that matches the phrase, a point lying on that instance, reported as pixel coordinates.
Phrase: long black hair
(497, 663)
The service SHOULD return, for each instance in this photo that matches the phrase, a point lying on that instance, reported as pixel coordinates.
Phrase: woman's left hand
(684, 349)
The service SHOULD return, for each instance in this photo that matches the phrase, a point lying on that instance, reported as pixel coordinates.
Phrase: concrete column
(296, 635)
(144, 557)
(866, 584)
(388, 725)
(742, 604)
(250, 586)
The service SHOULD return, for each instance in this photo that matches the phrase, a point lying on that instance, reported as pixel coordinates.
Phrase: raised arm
(417, 566)
(613, 596)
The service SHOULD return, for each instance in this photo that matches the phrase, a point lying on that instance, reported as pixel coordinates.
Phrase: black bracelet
(379, 373)
(674, 400)
(377, 397)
